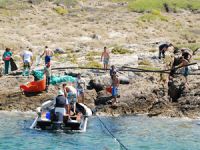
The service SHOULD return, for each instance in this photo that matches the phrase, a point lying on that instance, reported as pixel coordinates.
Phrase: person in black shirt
(186, 55)
(162, 49)
(112, 71)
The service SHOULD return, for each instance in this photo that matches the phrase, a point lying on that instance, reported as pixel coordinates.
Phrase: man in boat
(61, 103)
(27, 57)
(71, 94)
(80, 88)
(162, 49)
(186, 54)
(115, 85)
(105, 57)
(48, 54)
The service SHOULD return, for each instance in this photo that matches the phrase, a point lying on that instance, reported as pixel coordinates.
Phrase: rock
(123, 80)
(59, 51)
(90, 97)
(92, 85)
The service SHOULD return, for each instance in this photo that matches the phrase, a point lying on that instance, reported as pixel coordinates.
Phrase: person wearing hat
(61, 103)
(71, 94)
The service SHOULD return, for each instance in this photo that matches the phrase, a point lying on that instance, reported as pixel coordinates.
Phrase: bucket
(48, 115)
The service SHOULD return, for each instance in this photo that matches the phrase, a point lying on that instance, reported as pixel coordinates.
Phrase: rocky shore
(143, 95)
(82, 32)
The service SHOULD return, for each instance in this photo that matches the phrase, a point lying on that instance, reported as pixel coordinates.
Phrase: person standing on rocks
(6, 58)
(48, 54)
(162, 49)
(105, 58)
(27, 57)
(115, 85)
(185, 70)
(80, 88)
(186, 54)
(112, 71)
(47, 72)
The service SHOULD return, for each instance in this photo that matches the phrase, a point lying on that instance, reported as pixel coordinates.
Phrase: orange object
(34, 86)
(109, 89)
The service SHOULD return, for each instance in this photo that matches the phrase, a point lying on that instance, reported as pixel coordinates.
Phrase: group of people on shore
(27, 58)
(180, 62)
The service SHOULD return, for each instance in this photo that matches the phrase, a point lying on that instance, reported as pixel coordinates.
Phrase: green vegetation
(152, 16)
(13, 4)
(120, 50)
(93, 64)
(90, 55)
(197, 58)
(60, 10)
(149, 68)
(145, 63)
(192, 46)
(72, 58)
(93, 53)
(149, 5)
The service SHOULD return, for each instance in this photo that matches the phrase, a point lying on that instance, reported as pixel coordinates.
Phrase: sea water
(135, 132)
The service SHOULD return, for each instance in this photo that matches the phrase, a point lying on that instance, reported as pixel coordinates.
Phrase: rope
(120, 143)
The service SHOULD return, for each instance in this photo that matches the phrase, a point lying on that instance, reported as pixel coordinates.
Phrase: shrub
(93, 53)
(152, 16)
(61, 10)
(120, 50)
(192, 46)
(145, 62)
(93, 64)
(149, 5)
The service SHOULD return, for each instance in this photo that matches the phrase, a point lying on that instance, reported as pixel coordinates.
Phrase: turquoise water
(137, 133)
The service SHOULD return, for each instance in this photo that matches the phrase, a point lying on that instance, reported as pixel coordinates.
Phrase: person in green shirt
(6, 58)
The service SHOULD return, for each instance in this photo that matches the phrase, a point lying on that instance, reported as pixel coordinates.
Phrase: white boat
(47, 119)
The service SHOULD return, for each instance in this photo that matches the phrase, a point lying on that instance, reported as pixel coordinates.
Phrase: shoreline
(32, 113)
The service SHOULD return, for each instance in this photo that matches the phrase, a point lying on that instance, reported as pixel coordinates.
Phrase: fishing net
(59, 79)
(38, 74)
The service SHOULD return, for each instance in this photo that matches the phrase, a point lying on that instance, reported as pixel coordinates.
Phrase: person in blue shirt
(6, 58)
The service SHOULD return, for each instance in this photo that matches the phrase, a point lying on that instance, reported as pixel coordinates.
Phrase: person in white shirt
(80, 88)
(27, 57)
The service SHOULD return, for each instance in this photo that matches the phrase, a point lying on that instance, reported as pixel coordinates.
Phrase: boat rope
(116, 139)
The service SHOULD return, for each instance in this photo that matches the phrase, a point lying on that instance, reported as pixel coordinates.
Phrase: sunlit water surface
(135, 132)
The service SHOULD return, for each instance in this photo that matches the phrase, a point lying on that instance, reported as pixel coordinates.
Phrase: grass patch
(93, 53)
(93, 64)
(149, 5)
(197, 58)
(149, 68)
(145, 63)
(152, 16)
(72, 58)
(120, 50)
(192, 46)
(60, 10)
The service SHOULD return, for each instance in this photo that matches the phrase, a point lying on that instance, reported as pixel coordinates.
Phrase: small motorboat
(48, 119)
